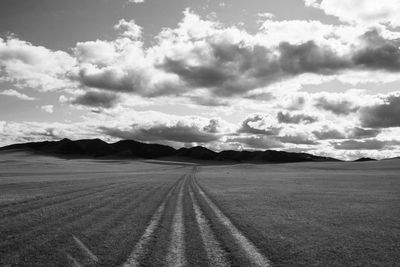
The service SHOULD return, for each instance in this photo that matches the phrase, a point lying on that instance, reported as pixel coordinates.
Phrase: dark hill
(364, 159)
(197, 152)
(132, 149)
(85, 147)
(271, 156)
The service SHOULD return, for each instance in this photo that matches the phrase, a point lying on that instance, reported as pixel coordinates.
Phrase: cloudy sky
(316, 76)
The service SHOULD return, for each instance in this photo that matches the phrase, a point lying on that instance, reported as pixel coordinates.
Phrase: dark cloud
(212, 127)
(326, 134)
(342, 107)
(198, 76)
(358, 132)
(370, 144)
(353, 133)
(382, 115)
(378, 53)
(258, 124)
(112, 79)
(209, 101)
(179, 132)
(231, 69)
(310, 58)
(296, 118)
(132, 79)
(235, 68)
(96, 99)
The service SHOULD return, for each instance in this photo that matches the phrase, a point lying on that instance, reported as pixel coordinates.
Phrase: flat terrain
(314, 214)
(56, 212)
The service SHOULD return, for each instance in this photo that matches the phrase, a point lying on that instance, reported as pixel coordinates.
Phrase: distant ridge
(130, 149)
(364, 159)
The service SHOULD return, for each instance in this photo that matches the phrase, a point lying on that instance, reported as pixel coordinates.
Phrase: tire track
(215, 254)
(176, 250)
(252, 253)
(89, 254)
(141, 248)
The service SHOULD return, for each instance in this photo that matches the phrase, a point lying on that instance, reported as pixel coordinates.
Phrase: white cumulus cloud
(48, 108)
(15, 93)
(368, 12)
(28, 65)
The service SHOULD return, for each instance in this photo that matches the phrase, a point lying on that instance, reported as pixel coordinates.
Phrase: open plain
(82, 212)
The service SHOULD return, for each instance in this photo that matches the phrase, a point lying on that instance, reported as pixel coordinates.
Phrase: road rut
(175, 233)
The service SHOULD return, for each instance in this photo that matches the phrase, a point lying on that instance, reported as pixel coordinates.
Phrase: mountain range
(130, 149)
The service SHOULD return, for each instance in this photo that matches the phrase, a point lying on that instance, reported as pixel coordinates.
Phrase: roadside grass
(336, 214)
(23, 228)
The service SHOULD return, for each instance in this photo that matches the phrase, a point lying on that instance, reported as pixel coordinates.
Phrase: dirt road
(188, 229)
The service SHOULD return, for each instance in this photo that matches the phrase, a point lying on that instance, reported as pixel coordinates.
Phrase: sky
(314, 76)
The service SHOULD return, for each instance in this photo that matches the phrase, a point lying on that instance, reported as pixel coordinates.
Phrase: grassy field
(314, 214)
(57, 212)
(49, 207)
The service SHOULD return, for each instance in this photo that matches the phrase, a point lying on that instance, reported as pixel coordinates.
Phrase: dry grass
(104, 205)
(81, 212)
(321, 214)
